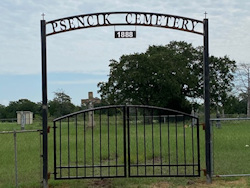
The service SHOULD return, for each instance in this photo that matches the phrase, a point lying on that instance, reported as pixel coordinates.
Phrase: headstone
(218, 123)
(194, 120)
(23, 120)
(91, 113)
(90, 105)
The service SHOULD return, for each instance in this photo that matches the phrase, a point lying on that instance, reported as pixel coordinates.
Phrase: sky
(78, 60)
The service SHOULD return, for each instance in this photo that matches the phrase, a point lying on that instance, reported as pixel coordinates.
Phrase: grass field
(231, 156)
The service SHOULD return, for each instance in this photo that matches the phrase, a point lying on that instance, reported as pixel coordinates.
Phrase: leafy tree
(165, 76)
(20, 105)
(2, 112)
(60, 105)
(243, 83)
(162, 76)
(236, 105)
(221, 79)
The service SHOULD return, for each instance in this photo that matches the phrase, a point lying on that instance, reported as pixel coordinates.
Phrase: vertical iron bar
(169, 157)
(76, 147)
(100, 142)
(68, 151)
(207, 104)
(93, 151)
(15, 149)
(44, 103)
(40, 132)
(128, 127)
(153, 154)
(55, 173)
(124, 142)
(145, 154)
(60, 148)
(176, 141)
(84, 147)
(184, 142)
(198, 146)
(160, 140)
(116, 154)
(108, 147)
(193, 148)
(136, 132)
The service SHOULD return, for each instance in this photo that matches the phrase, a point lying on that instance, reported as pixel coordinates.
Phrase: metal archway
(148, 19)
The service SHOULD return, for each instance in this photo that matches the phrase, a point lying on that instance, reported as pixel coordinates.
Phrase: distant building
(91, 101)
(24, 117)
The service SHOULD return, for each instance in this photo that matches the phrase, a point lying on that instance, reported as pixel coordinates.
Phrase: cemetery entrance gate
(122, 19)
(126, 141)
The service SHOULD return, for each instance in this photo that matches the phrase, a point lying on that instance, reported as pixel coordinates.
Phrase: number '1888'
(125, 34)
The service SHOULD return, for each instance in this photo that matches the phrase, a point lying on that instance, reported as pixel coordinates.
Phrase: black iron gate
(121, 141)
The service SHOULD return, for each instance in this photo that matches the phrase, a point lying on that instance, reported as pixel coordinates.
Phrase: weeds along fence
(231, 146)
(20, 158)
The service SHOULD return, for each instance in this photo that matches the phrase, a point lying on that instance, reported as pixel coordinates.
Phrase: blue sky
(78, 60)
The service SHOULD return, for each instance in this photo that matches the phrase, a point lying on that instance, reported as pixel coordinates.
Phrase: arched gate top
(124, 19)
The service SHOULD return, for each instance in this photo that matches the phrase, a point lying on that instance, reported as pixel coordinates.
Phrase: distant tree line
(59, 106)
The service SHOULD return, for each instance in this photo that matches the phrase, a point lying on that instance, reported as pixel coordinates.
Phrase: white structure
(24, 117)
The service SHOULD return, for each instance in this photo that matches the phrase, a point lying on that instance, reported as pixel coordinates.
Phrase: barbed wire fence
(20, 158)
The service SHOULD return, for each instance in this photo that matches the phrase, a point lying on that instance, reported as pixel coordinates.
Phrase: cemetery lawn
(231, 156)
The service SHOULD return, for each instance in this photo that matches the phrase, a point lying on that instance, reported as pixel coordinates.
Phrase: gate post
(207, 105)
(44, 104)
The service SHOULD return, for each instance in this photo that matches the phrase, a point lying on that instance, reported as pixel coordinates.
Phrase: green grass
(230, 154)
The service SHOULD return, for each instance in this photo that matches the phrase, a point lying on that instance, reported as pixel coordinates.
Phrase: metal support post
(15, 148)
(44, 104)
(208, 135)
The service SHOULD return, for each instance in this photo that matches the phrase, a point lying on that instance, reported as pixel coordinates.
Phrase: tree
(162, 76)
(153, 77)
(243, 83)
(21, 105)
(222, 71)
(60, 105)
(236, 105)
(2, 112)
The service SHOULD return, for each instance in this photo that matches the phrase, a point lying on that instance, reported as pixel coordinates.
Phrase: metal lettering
(89, 22)
(137, 19)
(184, 24)
(147, 20)
(80, 21)
(194, 25)
(97, 20)
(54, 25)
(63, 25)
(105, 16)
(175, 25)
(127, 18)
(158, 20)
(168, 20)
(71, 23)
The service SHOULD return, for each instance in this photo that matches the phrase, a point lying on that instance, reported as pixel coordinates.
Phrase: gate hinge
(203, 126)
(48, 129)
(204, 171)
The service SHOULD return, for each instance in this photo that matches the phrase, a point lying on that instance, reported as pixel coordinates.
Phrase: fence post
(44, 104)
(15, 150)
(207, 105)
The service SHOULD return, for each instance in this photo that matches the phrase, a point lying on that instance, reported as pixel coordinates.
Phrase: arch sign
(102, 19)
(124, 18)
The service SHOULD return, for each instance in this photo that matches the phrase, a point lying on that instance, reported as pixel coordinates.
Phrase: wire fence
(20, 158)
(231, 146)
